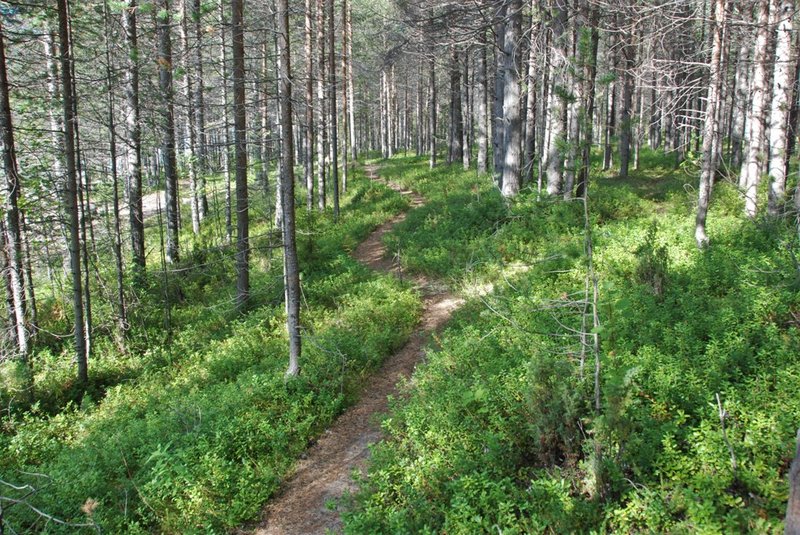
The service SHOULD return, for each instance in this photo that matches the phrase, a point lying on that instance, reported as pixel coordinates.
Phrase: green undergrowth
(497, 432)
(202, 431)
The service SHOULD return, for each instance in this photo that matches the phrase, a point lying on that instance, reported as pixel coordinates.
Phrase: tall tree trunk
(466, 158)
(321, 119)
(712, 129)
(190, 148)
(351, 105)
(626, 102)
(432, 113)
(482, 91)
(346, 124)
(554, 159)
(512, 120)
(499, 93)
(199, 110)
(530, 104)
(13, 228)
(332, 108)
(456, 152)
(754, 160)
(741, 98)
(226, 139)
(782, 83)
(133, 133)
(240, 139)
(168, 129)
(122, 320)
(71, 193)
(589, 66)
(291, 267)
(309, 87)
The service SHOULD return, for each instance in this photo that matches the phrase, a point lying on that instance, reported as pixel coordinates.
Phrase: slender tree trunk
(754, 160)
(291, 267)
(626, 103)
(530, 104)
(309, 144)
(466, 158)
(712, 129)
(321, 119)
(199, 110)
(554, 160)
(332, 108)
(588, 95)
(71, 193)
(741, 98)
(122, 320)
(240, 137)
(499, 93)
(512, 120)
(456, 152)
(783, 81)
(226, 139)
(432, 114)
(482, 91)
(190, 148)
(168, 129)
(351, 105)
(133, 134)
(346, 124)
(13, 228)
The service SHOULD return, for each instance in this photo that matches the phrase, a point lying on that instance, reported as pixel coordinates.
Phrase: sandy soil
(307, 501)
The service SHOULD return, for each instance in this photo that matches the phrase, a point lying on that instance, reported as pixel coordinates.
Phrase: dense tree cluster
(104, 101)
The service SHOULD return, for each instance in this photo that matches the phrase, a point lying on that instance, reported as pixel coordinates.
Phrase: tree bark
(432, 113)
(168, 129)
(512, 120)
(321, 119)
(499, 93)
(13, 228)
(456, 152)
(481, 87)
(782, 83)
(556, 113)
(226, 140)
(291, 267)
(71, 193)
(134, 140)
(712, 128)
(754, 160)
(199, 110)
(240, 140)
(332, 109)
(309, 88)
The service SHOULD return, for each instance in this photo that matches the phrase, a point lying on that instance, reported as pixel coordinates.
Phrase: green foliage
(652, 263)
(201, 432)
(499, 434)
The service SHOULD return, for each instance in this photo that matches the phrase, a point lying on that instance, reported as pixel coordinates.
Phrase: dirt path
(325, 474)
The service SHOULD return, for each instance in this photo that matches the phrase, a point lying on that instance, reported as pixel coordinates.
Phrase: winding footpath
(306, 502)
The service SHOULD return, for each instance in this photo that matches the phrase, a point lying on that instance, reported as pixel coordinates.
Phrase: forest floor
(307, 501)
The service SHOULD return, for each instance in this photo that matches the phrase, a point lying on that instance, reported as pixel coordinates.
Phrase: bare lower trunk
(240, 140)
(71, 193)
(481, 95)
(133, 133)
(782, 82)
(291, 267)
(512, 120)
(754, 160)
(168, 129)
(712, 128)
(13, 228)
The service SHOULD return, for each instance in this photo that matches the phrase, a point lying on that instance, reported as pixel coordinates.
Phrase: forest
(399, 266)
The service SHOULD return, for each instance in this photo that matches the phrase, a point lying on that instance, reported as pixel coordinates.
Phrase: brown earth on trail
(306, 502)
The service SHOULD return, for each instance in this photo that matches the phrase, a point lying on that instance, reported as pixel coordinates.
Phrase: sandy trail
(302, 506)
